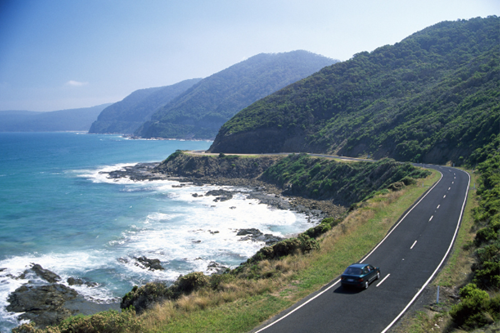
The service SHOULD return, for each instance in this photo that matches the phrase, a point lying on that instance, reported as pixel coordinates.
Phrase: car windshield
(353, 271)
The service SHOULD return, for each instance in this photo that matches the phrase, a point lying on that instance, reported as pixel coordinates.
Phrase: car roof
(358, 265)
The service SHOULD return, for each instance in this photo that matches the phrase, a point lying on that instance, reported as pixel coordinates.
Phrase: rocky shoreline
(46, 300)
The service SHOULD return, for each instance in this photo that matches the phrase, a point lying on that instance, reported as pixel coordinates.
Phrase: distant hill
(200, 111)
(130, 113)
(64, 120)
(433, 97)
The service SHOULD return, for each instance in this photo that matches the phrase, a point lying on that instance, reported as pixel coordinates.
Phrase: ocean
(59, 211)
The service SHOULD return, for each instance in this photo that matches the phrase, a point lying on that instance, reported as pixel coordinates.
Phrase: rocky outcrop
(43, 304)
(151, 264)
(137, 172)
(42, 273)
(258, 236)
(45, 301)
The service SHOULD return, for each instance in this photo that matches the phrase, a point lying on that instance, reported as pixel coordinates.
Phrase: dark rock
(216, 268)
(41, 304)
(72, 281)
(42, 273)
(151, 264)
(250, 231)
(213, 232)
(257, 236)
(221, 195)
(138, 172)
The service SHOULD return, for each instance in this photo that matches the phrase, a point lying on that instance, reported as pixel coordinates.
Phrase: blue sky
(62, 54)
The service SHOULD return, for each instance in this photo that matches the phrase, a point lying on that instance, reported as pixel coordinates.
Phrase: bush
(192, 281)
(475, 304)
(103, 322)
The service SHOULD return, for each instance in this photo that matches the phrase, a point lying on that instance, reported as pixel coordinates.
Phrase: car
(359, 275)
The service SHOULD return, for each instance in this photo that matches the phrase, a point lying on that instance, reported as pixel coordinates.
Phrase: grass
(241, 304)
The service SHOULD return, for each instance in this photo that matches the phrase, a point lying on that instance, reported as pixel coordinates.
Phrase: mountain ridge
(128, 114)
(200, 111)
(79, 119)
(447, 75)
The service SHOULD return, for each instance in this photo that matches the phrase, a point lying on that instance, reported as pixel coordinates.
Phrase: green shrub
(475, 304)
(109, 321)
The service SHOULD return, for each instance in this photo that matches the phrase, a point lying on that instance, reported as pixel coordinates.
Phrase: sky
(60, 54)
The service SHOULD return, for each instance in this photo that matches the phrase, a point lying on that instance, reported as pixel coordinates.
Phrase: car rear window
(353, 271)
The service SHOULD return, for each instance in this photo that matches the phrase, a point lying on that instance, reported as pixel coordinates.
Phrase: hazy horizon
(59, 55)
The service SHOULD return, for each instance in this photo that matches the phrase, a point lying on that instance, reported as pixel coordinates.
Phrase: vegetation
(129, 114)
(201, 111)
(345, 183)
(476, 307)
(432, 98)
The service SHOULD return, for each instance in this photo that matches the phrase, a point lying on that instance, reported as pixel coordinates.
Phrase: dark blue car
(359, 275)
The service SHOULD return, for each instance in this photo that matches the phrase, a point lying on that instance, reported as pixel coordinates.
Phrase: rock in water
(45, 274)
(41, 304)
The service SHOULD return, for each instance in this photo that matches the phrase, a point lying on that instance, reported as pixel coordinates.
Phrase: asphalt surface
(409, 257)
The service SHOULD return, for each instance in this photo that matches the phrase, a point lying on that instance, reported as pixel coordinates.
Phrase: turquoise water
(58, 210)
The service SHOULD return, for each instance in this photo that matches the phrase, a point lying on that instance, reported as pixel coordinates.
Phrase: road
(409, 257)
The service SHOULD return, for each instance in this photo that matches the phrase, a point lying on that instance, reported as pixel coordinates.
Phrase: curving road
(409, 257)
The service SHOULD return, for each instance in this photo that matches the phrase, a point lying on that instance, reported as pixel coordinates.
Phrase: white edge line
(373, 250)
(442, 260)
(378, 284)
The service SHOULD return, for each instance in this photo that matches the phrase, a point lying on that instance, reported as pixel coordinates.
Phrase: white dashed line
(449, 188)
(431, 218)
(444, 196)
(415, 242)
(438, 206)
(378, 284)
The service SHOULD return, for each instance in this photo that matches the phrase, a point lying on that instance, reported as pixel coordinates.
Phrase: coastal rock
(137, 172)
(250, 231)
(257, 236)
(221, 195)
(151, 264)
(42, 273)
(75, 282)
(41, 304)
(216, 268)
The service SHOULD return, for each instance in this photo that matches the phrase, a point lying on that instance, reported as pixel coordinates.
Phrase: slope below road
(409, 258)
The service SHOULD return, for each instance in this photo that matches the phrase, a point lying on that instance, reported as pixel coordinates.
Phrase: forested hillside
(130, 113)
(433, 97)
(200, 112)
(63, 120)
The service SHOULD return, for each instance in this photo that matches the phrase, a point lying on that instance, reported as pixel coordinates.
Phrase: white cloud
(73, 83)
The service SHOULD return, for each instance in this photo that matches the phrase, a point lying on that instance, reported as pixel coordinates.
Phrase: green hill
(63, 120)
(200, 111)
(130, 113)
(433, 97)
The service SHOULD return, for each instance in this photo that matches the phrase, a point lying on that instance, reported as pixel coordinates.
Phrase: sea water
(58, 210)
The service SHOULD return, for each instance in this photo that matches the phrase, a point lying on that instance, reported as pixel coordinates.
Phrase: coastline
(264, 193)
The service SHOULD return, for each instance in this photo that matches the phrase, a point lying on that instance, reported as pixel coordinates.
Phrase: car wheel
(366, 284)
(378, 275)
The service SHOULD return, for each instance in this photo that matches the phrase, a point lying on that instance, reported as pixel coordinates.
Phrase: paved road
(408, 257)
